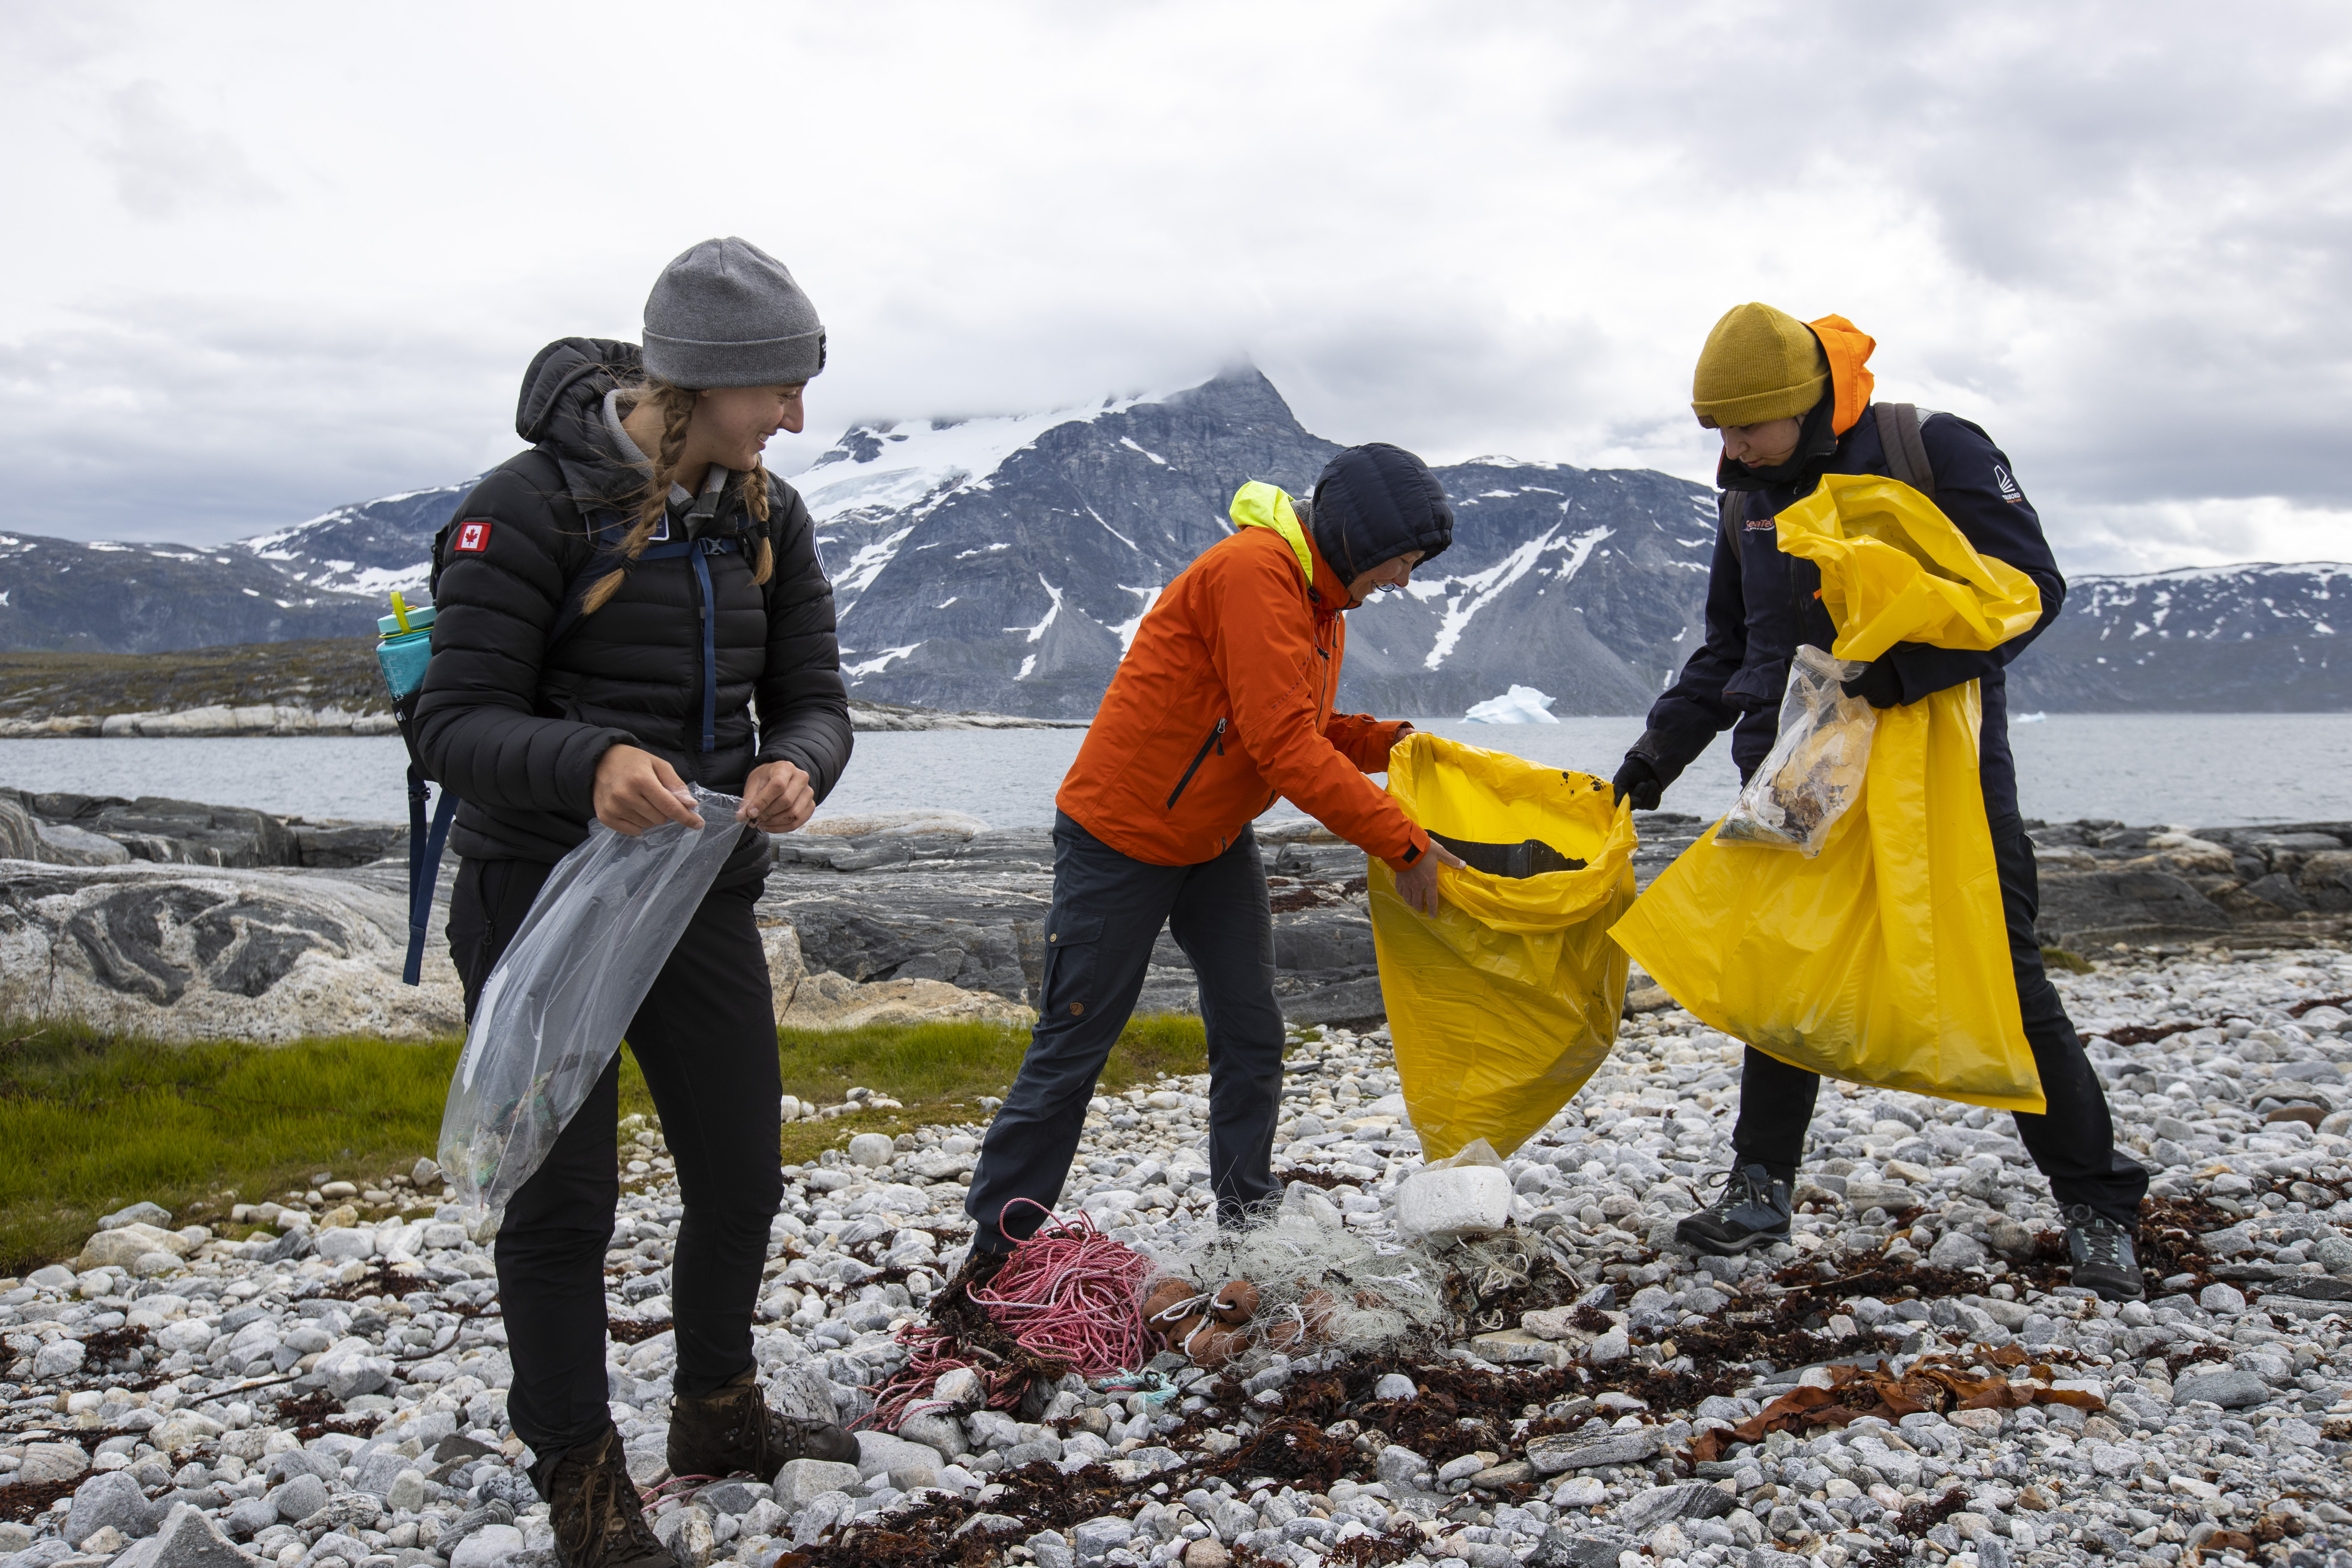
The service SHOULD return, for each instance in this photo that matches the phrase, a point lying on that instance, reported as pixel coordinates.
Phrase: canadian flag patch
(473, 538)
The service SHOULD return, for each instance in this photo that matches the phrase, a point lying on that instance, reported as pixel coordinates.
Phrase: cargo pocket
(1073, 954)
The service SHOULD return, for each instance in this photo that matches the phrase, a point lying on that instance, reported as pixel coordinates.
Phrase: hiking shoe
(2104, 1259)
(592, 1507)
(1752, 1212)
(732, 1432)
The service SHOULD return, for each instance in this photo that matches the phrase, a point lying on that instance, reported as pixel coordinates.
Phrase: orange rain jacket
(1223, 703)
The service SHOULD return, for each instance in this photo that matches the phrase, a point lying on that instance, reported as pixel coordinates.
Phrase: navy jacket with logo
(1760, 605)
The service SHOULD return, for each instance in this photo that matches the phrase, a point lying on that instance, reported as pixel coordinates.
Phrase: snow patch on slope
(912, 463)
(880, 662)
(1466, 597)
(1037, 632)
(1125, 631)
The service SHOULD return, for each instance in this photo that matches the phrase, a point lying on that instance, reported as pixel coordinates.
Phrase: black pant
(2074, 1142)
(705, 1038)
(1106, 914)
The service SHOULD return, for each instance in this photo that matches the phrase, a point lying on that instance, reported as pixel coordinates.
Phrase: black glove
(1879, 685)
(1637, 781)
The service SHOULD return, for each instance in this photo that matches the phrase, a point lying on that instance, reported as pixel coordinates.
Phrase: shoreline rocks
(868, 716)
(904, 916)
(216, 720)
(184, 952)
(202, 724)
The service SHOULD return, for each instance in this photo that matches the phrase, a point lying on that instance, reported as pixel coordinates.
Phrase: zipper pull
(1221, 737)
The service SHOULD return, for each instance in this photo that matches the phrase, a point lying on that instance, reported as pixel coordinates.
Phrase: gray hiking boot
(2103, 1258)
(1752, 1211)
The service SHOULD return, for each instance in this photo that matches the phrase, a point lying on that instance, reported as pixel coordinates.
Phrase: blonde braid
(755, 499)
(676, 405)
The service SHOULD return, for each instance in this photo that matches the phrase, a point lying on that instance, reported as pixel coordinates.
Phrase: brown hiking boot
(593, 1508)
(732, 1432)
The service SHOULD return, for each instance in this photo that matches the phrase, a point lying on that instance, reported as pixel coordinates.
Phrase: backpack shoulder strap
(1731, 506)
(1906, 454)
(425, 846)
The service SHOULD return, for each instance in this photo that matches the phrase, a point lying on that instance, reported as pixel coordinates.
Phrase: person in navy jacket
(1792, 402)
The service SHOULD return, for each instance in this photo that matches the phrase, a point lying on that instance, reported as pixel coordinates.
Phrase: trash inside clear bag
(554, 1008)
(1815, 770)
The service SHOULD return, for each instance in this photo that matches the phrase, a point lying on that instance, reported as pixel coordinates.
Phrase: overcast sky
(274, 257)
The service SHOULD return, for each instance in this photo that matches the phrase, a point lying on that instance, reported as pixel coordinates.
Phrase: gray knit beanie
(727, 313)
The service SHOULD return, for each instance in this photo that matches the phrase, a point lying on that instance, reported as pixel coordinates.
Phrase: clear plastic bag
(1815, 771)
(553, 1010)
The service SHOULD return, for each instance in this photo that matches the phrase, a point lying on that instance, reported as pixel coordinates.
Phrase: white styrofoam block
(1444, 1205)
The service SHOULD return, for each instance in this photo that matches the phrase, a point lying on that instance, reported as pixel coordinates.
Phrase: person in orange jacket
(1221, 705)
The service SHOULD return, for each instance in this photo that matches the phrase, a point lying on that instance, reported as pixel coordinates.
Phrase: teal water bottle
(406, 647)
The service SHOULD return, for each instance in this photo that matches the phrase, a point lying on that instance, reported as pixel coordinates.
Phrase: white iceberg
(1520, 705)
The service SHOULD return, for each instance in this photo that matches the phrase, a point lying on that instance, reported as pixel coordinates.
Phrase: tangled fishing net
(1293, 1283)
(1072, 1299)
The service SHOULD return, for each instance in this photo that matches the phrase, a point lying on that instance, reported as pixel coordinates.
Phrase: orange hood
(1847, 348)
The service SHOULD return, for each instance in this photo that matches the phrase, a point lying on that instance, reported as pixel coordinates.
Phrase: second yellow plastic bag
(1507, 1001)
(1883, 959)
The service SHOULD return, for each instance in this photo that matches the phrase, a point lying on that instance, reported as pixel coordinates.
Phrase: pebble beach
(335, 1397)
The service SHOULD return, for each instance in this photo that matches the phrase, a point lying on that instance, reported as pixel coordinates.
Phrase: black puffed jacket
(515, 729)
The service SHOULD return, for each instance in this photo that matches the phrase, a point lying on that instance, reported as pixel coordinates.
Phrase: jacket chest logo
(1761, 524)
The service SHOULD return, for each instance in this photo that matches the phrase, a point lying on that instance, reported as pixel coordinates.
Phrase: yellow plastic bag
(1507, 1001)
(1883, 959)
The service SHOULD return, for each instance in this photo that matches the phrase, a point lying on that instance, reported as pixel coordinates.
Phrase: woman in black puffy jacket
(633, 605)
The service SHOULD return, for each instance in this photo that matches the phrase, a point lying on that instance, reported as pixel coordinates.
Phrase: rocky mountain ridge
(1003, 565)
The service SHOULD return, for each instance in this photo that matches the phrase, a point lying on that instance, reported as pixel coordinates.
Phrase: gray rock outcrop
(2103, 882)
(183, 953)
(186, 920)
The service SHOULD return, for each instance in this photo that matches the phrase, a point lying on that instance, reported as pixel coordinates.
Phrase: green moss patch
(92, 1122)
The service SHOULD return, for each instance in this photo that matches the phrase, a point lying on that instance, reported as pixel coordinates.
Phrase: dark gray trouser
(1106, 914)
(2074, 1143)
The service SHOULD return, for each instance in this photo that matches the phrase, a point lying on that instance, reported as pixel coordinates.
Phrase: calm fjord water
(2193, 769)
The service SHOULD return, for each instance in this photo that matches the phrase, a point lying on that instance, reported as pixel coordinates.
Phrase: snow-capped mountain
(106, 597)
(324, 578)
(2255, 638)
(370, 548)
(1005, 563)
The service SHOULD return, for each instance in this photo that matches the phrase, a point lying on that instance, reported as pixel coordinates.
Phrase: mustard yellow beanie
(1759, 364)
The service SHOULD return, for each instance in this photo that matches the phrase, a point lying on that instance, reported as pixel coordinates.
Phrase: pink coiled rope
(1068, 1295)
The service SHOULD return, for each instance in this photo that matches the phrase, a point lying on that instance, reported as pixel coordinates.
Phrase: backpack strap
(1906, 454)
(425, 845)
(677, 538)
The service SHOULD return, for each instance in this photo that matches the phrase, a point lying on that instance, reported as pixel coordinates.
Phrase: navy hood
(1375, 502)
